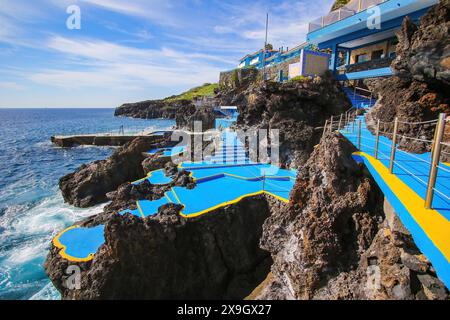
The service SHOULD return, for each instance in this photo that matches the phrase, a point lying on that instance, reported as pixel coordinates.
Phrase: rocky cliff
(336, 241)
(153, 109)
(420, 88)
(297, 108)
(187, 117)
(89, 184)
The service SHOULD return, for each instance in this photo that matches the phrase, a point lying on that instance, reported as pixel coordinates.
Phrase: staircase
(359, 101)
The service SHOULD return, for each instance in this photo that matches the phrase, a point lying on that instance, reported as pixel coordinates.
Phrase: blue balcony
(364, 31)
(353, 17)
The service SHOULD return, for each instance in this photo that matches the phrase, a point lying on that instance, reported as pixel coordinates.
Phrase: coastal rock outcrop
(339, 238)
(419, 89)
(186, 118)
(89, 184)
(331, 220)
(153, 109)
(167, 256)
(297, 108)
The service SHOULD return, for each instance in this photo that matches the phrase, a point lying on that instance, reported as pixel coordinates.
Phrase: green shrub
(206, 90)
(300, 79)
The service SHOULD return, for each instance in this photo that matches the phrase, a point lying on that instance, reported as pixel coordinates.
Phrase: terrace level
(361, 36)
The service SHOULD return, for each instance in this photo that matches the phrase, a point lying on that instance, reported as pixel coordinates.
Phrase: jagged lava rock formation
(335, 231)
(298, 109)
(169, 257)
(89, 184)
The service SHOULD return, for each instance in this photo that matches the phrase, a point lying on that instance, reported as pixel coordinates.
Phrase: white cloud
(159, 46)
(108, 65)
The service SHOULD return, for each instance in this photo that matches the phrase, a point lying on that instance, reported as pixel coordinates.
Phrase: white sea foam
(48, 292)
(27, 231)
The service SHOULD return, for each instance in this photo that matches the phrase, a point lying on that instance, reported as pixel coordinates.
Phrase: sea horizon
(32, 209)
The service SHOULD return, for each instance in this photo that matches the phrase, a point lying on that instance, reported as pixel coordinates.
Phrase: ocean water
(32, 210)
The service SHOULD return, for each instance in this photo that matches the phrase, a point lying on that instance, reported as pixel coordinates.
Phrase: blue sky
(132, 50)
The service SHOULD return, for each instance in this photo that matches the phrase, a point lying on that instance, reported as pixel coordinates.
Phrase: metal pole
(377, 140)
(325, 128)
(434, 139)
(359, 135)
(265, 48)
(435, 160)
(394, 146)
(340, 122)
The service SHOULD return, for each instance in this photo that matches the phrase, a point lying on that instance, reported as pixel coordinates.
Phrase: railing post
(359, 5)
(323, 21)
(359, 135)
(394, 146)
(325, 128)
(436, 156)
(340, 122)
(377, 140)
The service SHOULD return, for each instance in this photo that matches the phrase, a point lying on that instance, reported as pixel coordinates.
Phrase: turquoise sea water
(32, 210)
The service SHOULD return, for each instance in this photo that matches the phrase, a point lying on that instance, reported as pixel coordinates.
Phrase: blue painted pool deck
(223, 179)
(406, 191)
(157, 177)
(80, 244)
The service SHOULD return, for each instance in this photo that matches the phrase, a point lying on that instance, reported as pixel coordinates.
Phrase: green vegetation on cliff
(339, 4)
(206, 90)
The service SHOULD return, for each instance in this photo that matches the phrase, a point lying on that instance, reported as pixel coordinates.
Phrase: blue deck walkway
(406, 191)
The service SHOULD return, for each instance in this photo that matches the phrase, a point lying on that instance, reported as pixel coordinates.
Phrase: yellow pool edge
(62, 247)
(434, 225)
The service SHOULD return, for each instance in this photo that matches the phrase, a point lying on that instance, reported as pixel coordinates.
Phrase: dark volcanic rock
(152, 109)
(169, 257)
(339, 239)
(331, 220)
(419, 91)
(298, 109)
(186, 118)
(90, 183)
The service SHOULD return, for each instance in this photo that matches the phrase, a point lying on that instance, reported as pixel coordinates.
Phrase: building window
(361, 58)
(378, 54)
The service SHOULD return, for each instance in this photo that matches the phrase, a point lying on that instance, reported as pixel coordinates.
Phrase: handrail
(350, 9)
(349, 120)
